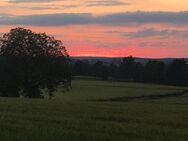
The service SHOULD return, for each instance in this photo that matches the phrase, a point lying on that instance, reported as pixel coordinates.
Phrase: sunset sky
(141, 28)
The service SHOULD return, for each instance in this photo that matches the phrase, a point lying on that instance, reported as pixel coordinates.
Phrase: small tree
(128, 68)
(30, 62)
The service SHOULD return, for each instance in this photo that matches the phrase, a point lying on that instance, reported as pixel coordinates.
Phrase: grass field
(98, 111)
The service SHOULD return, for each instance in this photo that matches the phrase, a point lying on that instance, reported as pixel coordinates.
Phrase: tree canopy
(30, 62)
(174, 72)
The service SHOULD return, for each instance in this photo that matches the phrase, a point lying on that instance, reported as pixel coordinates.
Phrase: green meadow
(99, 111)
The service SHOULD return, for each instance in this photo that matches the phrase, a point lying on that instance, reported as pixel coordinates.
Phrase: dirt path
(149, 97)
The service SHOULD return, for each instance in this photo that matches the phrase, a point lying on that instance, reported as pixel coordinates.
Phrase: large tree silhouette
(30, 62)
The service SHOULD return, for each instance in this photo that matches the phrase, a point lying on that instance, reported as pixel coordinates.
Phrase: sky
(111, 28)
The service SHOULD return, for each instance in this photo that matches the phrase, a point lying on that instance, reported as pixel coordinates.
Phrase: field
(99, 111)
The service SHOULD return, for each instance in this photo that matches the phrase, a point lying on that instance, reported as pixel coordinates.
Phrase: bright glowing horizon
(110, 28)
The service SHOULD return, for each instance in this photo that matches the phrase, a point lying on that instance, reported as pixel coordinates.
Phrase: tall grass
(72, 116)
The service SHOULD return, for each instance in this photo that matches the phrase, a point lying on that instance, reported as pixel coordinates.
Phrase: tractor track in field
(183, 93)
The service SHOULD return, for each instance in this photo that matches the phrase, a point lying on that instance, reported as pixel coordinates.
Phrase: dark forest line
(173, 72)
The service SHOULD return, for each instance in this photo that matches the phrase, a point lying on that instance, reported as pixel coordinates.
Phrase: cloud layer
(105, 27)
(178, 18)
(31, 1)
(105, 3)
(151, 32)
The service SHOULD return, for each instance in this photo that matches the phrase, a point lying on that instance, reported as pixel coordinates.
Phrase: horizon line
(128, 56)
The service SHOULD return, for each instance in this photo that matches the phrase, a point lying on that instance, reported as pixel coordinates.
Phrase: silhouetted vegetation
(174, 73)
(31, 62)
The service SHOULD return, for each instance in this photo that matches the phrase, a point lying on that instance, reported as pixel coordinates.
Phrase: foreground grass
(79, 115)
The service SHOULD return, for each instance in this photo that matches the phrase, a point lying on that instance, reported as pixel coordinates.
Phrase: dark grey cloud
(49, 19)
(5, 15)
(147, 33)
(104, 3)
(155, 44)
(131, 18)
(151, 32)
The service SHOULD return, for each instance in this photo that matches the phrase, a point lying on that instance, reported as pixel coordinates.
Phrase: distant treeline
(174, 73)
